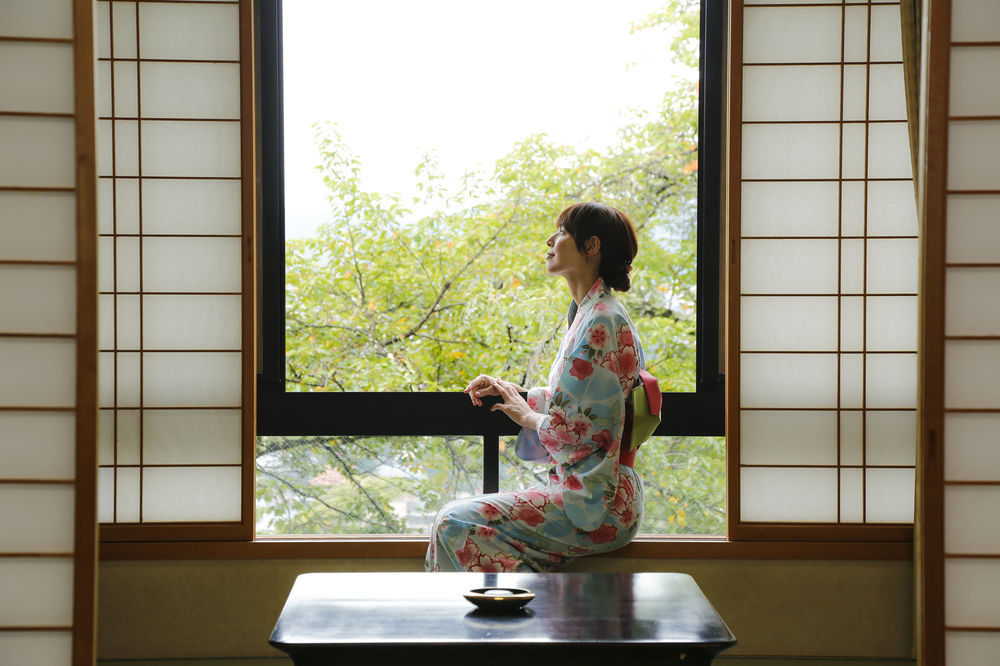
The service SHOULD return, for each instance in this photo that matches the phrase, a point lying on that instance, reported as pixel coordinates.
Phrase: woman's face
(563, 257)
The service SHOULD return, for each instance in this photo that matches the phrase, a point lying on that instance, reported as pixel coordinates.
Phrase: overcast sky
(465, 78)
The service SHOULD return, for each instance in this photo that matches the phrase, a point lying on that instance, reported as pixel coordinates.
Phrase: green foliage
(385, 299)
(348, 485)
(684, 482)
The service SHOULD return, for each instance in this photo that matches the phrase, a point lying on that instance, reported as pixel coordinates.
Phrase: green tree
(379, 300)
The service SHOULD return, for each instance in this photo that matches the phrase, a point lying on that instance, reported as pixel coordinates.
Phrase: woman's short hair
(617, 235)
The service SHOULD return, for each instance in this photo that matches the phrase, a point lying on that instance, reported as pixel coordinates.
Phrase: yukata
(590, 503)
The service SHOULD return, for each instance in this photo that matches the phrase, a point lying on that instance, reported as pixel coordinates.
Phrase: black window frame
(698, 413)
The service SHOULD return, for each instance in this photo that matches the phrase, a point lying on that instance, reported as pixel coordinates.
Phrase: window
(320, 420)
(823, 315)
(175, 212)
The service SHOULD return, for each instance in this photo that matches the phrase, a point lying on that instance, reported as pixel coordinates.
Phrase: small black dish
(499, 599)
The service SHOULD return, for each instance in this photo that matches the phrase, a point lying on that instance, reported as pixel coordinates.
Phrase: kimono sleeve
(582, 431)
(528, 447)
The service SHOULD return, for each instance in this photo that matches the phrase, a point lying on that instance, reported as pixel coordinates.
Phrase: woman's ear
(593, 246)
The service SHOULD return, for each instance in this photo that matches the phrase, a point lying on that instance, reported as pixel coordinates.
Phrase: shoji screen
(824, 275)
(965, 81)
(172, 91)
(47, 334)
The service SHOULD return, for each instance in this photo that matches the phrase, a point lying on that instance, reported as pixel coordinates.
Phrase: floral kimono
(590, 504)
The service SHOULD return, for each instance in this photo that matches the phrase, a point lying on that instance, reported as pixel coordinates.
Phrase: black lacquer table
(575, 618)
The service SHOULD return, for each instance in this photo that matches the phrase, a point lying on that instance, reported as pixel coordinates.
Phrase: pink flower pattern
(597, 337)
(581, 369)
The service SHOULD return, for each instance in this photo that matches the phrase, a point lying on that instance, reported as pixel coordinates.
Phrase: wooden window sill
(413, 547)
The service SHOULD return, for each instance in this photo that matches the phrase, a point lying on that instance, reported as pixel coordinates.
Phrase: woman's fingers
(475, 387)
(513, 405)
(506, 390)
(475, 383)
(497, 386)
(483, 385)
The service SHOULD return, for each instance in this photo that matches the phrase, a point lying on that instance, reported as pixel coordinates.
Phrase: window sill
(413, 547)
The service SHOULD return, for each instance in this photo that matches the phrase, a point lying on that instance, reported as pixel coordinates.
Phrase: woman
(591, 503)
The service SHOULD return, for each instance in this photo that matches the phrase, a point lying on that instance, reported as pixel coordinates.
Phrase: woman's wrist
(535, 421)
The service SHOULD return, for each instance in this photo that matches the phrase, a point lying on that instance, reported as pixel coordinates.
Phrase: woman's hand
(514, 406)
(484, 385)
(479, 387)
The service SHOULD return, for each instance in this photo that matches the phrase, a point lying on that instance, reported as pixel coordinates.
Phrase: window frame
(363, 414)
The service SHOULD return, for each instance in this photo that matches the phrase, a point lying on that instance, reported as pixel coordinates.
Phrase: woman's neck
(579, 285)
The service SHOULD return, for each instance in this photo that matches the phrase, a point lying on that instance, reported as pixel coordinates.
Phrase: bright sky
(464, 78)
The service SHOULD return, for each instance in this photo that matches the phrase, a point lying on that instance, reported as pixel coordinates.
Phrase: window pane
(851, 496)
(971, 647)
(889, 495)
(683, 482)
(973, 452)
(971, 590)
(417, 213)
(175, 494)
(767, 492)
(37, 518)
(969, 525)
(362, 485)
(789, 209)
(180, 206)
(37, 225)
(39, 590)
(36, 77)
(37, 299)
(175, 31)
(38, 445)
(37, 648)
(793, 34)
(791, 93)
(788, 437)
(45, 147)
(46, 18)
(191, 148)
(377, 485)
(45, 369)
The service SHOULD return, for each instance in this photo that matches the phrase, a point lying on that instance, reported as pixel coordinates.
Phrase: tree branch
(448, 284)
(347, 470)
(308, 496)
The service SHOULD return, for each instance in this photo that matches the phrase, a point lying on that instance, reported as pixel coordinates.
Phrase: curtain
(910, 23)
(910, 17)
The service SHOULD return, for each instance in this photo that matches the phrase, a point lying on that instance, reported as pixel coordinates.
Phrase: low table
(422, 618)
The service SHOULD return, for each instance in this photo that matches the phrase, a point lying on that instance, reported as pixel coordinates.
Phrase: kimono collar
(597, 290)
